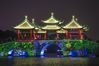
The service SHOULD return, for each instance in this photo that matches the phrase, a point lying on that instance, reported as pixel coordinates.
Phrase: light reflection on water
(52, 56)
(48, 61)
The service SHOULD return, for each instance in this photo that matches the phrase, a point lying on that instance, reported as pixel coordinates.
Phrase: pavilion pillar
(40, 36)
(18, 34)
(70, 36)
(67, 34)
(45, 36)
(31, 34)
(80, 34)
(34, 34)
(25, 37)
(57, 35)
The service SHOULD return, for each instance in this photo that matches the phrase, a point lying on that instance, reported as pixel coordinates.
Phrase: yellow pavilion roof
(41, 31)
(51, 27)
(51, 19)
(24, 25)
(61, 31)
(73, 24)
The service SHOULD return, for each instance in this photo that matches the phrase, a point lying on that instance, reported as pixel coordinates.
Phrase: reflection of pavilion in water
(51, 30)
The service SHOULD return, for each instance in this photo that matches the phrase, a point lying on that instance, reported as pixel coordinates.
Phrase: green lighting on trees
(68, 45)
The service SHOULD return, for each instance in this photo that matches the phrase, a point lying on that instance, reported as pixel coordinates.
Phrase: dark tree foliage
(6, 36)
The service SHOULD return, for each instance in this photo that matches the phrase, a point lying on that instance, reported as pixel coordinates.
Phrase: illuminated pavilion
(52, 30)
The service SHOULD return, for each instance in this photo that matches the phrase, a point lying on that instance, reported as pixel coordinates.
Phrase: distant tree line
(6, 36)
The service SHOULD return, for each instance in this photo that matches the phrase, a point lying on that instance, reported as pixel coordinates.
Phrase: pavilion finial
(26, 18)
(73, 18)
(33, 20)
(76, 19)
(52, 14)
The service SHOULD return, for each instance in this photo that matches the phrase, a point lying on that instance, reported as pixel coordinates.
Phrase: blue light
(60, 45)
(10, 57)
(85, 52)
(73, 53)
(2, 54)
(10, 53)
(42, 51)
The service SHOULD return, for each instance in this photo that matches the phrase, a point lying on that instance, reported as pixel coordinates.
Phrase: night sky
(12, 12)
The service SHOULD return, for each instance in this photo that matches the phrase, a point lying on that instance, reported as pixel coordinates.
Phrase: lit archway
(51, 49)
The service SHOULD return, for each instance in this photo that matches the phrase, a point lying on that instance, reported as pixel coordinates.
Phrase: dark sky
(12, 12)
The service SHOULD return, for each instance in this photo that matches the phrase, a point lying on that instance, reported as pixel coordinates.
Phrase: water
(48, 61)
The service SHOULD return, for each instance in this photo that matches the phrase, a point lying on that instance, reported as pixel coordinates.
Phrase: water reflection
(50, 61)
(58, 56)
(10, 57)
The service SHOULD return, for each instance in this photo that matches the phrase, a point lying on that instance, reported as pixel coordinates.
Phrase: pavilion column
(67, 34)
(57, 35)
(31, 34)
(18, 34)
(34, 34)
(80, 34)
(25, 37)
(70, 36)
(40, 36)
(45, 35)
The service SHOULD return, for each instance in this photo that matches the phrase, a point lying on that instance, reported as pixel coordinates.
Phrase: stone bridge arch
(52, 48)
(45, 44)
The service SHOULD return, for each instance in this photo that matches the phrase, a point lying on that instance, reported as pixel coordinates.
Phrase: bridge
(58, 47)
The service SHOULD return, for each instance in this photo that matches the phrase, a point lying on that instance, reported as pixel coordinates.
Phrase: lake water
(66, 61)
